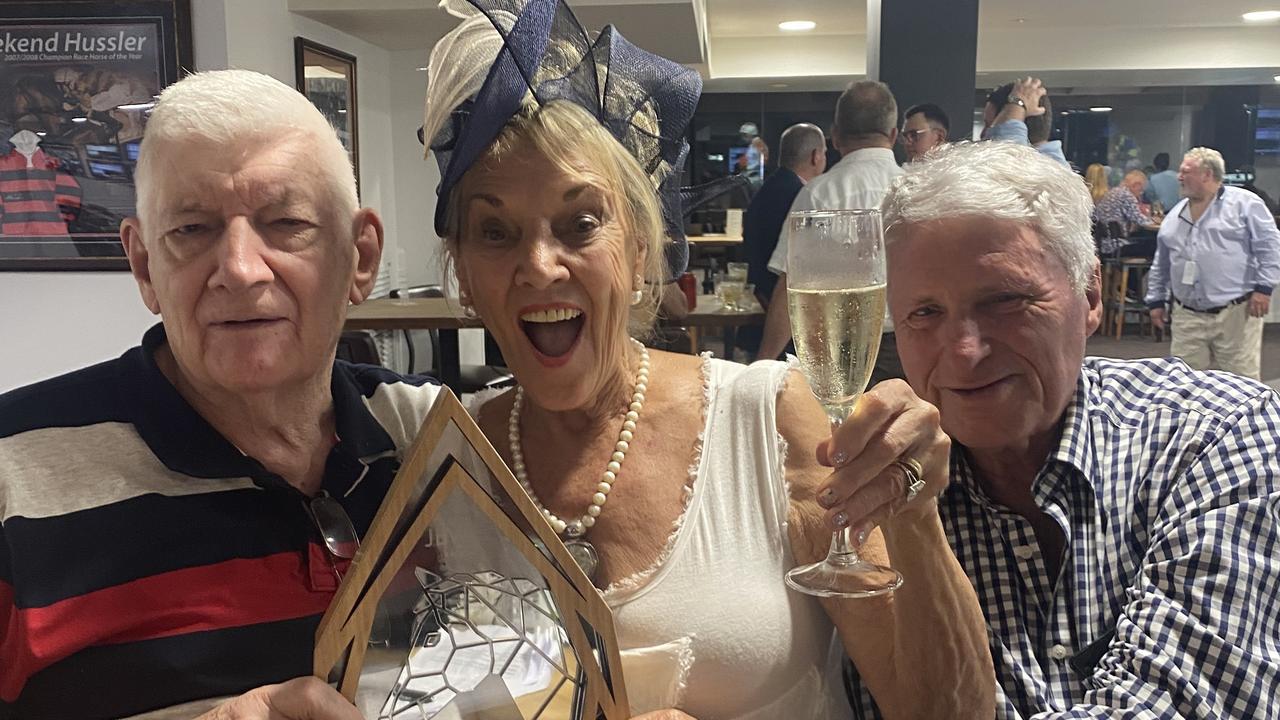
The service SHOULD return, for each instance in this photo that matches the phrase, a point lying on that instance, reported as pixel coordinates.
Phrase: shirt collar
(783, 173)
(1074, 451)
(872, 154)
(1075, 444)
(186, 443)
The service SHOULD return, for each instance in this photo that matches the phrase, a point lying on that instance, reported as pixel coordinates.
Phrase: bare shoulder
(801, 420)
(676, 378)
(803, 424)
(492, 415)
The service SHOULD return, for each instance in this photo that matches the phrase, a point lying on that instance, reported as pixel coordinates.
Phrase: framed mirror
(328, 78)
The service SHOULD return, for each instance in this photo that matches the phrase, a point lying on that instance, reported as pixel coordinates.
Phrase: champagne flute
(836, 300)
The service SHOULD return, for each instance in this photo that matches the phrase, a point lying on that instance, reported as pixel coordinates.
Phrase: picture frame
(327, 77)
(462, 603)
(77, 81)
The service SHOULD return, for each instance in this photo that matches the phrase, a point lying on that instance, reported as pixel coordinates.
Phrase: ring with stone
(912, 472)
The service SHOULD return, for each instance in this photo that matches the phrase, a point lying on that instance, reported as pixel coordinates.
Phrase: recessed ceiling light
(797, 25)
(421, 69)
(1020, 20)
(1100, 108)
(778, 85)
(1277, 78)
(1261, 16)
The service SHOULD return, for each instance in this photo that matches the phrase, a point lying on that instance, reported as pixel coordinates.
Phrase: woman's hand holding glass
(869, 486)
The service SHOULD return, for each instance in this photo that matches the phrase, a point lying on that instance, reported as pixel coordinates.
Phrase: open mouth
(553, 332)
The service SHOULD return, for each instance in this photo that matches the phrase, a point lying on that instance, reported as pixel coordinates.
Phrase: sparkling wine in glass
(836, 301)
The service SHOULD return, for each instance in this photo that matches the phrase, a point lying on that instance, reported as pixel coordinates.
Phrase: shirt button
(1023, 552)
(1059, 652)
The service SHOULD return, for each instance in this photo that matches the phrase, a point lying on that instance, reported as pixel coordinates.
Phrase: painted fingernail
(841, 519)
(839, 458)
(827, 498)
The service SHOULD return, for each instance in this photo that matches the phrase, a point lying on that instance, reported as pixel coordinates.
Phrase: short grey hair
(1002, 181)
(232, 108)
(865, 108)
(1208, 159)
(798, 143)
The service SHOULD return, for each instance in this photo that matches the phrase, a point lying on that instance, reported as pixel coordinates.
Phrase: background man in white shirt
(865, 130)
(1217, 259)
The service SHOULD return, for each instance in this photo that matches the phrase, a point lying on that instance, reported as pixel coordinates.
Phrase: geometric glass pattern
(470, 627)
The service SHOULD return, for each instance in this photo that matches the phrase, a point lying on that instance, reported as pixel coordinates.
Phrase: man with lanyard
(1218, 259)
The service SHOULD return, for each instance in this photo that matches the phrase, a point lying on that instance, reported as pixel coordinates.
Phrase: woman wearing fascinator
(685, 486)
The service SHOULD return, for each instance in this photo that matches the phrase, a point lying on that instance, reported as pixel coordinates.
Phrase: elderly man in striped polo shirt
(159, 540)
(1118, 519)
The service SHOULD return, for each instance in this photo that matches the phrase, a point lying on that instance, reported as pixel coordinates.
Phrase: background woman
(1095, 176)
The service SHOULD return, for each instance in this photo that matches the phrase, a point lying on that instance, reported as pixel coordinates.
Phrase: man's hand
(1259, 304)
(1157, 318)
(664, 715)
(1030, 90)
(305, 698)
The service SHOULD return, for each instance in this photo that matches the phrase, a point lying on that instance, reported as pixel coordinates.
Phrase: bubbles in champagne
(837, 336)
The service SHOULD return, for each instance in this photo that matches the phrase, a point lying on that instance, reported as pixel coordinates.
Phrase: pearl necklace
(581, 550)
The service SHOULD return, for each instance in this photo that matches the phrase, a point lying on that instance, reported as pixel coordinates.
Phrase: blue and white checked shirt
(1166, 484)
(1235, 244)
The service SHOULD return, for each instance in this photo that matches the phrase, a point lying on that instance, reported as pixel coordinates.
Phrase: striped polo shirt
(145, 561)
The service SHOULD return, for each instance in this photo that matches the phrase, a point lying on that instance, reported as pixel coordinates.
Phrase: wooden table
(446, 316)
(715, 240)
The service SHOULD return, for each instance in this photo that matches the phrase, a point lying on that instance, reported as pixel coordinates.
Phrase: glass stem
(842, 551)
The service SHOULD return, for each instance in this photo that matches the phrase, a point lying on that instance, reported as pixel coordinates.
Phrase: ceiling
(1076, 45)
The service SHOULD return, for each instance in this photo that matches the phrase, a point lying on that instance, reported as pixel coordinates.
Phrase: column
(926, 50)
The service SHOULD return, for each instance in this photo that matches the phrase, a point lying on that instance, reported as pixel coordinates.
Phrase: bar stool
(1118, 274)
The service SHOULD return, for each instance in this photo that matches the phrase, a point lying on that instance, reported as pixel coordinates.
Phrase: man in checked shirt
(1119, 519)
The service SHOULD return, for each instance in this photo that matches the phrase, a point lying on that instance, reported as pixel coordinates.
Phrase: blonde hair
(1095, 176)
(570, 137)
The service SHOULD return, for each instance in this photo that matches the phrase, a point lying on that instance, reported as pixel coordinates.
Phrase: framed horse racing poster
(78, 79)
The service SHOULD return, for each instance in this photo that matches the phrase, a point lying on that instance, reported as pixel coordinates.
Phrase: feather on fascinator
(506, 53)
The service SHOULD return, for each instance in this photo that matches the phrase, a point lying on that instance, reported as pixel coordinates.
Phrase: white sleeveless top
(711, 628)
(715, 605)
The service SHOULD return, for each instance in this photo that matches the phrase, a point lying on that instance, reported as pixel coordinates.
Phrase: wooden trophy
(462, 603)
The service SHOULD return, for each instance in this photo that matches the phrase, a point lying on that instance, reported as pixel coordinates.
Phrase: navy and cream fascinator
(478, 79)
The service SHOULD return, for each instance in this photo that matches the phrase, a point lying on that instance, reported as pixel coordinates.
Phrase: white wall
(1121, 47)
(56, 322)
(807, 55)
(415, 176)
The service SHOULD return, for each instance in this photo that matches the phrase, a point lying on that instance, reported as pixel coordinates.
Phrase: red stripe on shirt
(229, 594)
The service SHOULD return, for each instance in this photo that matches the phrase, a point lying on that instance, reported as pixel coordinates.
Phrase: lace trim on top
(624, 588)
(793, 363)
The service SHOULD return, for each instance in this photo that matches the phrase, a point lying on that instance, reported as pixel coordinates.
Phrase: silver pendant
(584, 553)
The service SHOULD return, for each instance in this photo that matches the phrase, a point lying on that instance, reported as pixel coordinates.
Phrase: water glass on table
(730, 291)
